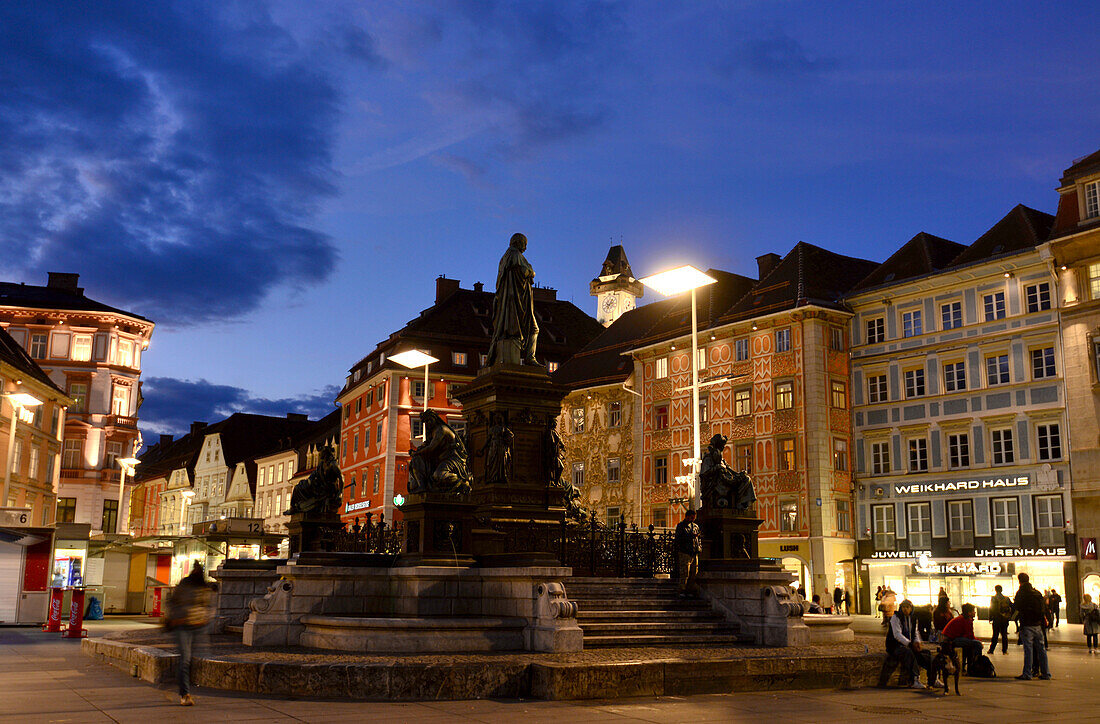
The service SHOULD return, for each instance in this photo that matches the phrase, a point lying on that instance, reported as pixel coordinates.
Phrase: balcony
(122, 421)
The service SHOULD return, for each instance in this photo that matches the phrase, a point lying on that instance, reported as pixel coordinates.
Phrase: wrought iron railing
(380, 537)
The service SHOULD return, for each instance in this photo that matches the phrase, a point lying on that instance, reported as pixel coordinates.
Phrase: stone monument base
(312, 531)
(438, 530)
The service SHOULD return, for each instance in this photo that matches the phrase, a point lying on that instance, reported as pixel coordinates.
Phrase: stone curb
(395, 681)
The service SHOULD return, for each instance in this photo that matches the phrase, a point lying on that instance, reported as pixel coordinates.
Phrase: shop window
(994, 305)
(843, 516)
(577, 415)
(614, 414)
(877, 390)
(110, 516)
(884, 527)
(958, 450)
(1006, 521)
(783, 340)
(951, 315)
(741, 350)
(996, 370)
(914, 383)
(660, 368)
(784, 396)
(1038, 297)
(786, 454)
(742, 402)
(788, 515)
(1003, 451)
(912, 324)
(920, 526)
(839, 395)
(876, 330)
(918, 455)
(954, 377)
(960, 523)
(578, 475)
(1042, 363)
(1050, 442)
(840, 454)
(660, 471)
(66, 510)
(1049, 520)
(660, 416)
(880, 458)
(744, 457)
(613, 469)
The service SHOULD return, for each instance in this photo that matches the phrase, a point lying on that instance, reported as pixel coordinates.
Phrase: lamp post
(670, 283)
(18, 401)
(127, 465)
(415, 358)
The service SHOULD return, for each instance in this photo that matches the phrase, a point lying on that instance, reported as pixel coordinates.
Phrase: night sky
(277, 185)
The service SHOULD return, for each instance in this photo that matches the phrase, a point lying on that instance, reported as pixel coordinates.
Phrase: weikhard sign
(956, 486)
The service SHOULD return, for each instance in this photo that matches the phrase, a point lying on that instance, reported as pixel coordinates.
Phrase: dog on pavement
(943, 663)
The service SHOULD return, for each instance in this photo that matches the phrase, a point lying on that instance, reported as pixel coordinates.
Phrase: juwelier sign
(955, 486)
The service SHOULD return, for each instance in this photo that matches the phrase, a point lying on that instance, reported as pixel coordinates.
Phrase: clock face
(628, 304)
(609, 304)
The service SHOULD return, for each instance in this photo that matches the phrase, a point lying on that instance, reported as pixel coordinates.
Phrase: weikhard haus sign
(1015, 482)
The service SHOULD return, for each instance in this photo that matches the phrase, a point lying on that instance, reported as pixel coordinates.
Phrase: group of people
(841, 601)
(908, 628)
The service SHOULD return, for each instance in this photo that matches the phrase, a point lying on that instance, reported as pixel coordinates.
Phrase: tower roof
(616, 262)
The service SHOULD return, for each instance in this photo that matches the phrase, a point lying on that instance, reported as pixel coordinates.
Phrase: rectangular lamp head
(676, 281)
(413, 358)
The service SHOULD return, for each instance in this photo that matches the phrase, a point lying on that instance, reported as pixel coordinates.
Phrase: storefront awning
(24, 536)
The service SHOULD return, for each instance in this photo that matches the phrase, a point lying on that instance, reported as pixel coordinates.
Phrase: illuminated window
(73, 455)
(126, 353)
(839, 394)
(1094, 282)
(701, 359)
(458, 358)
(788, 515)
(578, 475)
(742, 402)
(784, 396)
(660, 416)
(1092, 199)
(552, 366)
(661, 368)
(577, 415)
(786, 454)
(120, 401)
(66, 510)
(82, 347)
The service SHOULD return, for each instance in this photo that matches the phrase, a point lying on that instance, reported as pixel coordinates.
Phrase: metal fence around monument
(373, 537)
(592, 548)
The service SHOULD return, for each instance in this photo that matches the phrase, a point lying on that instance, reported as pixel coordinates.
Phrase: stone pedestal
(514, 519)
(438, 530)
(312, 532)
(728, 535)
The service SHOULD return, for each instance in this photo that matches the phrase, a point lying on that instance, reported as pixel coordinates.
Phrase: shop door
(11, 580)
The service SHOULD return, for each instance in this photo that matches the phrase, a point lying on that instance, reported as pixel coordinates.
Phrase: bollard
(76, 628)
(53, 620)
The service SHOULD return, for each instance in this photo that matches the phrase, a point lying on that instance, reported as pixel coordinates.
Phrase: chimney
(765, 263)
(165, 440)
(297, 417)
(64, 280)
(479, 287)
(544, 294)
(197, 427)
(444, 288)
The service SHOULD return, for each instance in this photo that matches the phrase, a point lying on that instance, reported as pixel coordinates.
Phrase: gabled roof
(1082, 167)
(13, 354)
(161, 459)
(616, 262)
(1020, 229)
(35, 297)
(808, 274)
(244, 436)
(923, 254)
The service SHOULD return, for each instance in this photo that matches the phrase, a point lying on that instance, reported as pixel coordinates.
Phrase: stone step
(636, 640)
(640, 604)
(631, 628)
(614, 579)
(584, 615)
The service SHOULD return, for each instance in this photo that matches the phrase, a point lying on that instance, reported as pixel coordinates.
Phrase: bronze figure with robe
(322, 491)
(439, 465)
(515, 331)
(724, 487)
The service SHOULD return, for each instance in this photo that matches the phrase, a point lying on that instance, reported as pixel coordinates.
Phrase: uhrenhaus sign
(963, 486)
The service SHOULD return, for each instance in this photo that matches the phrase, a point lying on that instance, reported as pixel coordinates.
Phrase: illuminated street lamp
(670, 283)
(415, 358)
(127, 465)
(19, 401)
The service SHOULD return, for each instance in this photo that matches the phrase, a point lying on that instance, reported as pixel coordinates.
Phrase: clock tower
(615, 289)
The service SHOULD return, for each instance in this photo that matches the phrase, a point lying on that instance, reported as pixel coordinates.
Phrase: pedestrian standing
(847, 601)
(878, 600)
(189, 612)
(1090, 616)
(1028, 605)
(1055, 605)
(838, 600)
(689, 543)
(1000, 609)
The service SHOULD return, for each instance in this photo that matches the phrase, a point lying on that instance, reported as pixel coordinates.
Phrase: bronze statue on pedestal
(515, 331)
(724, 487)
(322, 492)
(439, 465)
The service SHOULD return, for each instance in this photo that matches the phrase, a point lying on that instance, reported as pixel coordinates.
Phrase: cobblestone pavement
(46, 679)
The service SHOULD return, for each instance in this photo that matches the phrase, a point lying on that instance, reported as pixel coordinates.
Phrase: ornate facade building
(381, 400)
(1075, 249)
(92, 352)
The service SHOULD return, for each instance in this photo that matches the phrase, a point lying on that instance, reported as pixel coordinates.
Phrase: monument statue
(439, 465)
(553, 453)
(515, 331)
(498, 452)
(322, 491)
(724, 487)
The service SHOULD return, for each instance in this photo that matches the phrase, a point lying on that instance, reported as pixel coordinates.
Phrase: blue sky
(278, 184)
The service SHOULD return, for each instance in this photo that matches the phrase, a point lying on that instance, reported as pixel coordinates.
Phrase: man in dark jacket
(1055, 605)
(189, 612)
(903, 641)
(1000, 610)
(689, 543)
(1029, 607)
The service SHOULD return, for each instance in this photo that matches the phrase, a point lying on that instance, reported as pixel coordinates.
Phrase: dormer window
(1092, 199)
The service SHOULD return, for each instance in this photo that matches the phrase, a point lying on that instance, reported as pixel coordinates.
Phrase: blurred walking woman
(1090, 615)
(189, 612)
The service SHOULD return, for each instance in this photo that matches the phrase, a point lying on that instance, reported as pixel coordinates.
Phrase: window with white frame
(38, 345)
(32, 464)
(660, 368)
(920, 526)
(784, 396)
(613, 470)
(79, 392)
(884, 527)
(996, 370)
(783, 340)
(701, 359)
(577, 416)
(459, 359)
(1050, 441)
(877, 390)
(125, 353)
(1038, 297)
(1004, 453)
(1006, 521)
(840, 454)
(742, 402)
(918, 455)
(120, 401)
(743, 457)
(73, 454)
(1049, 520)
(954, 376)
(951, 315)
(82, 347)
(1092, 199)
(1094, 283)
(741, 349)
(839, 394)
(417, 429)
(614, 414)
(911, 323)
(112, 454)
(880, 458)
(16, 456)
(876, 330)
(960, 523)
(958, 450)
(1042, 362)
(418, 388)
(994, 306)
(914, 382)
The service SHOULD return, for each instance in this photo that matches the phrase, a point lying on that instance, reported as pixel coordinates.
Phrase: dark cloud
(171, 405)
(356, 43)
(778, 56)
(172, 154)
